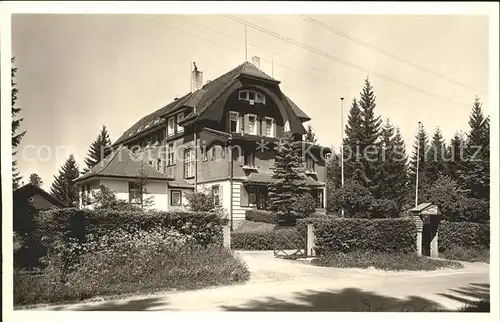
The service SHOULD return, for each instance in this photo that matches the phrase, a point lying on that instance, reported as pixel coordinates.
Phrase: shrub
(146, 262)
(56, 228)
(355, 199)
(474, 210)
(104, 198)
(261, 216)
(384, 261)
(350, 234)
(384, 208)
(468, 235)
(285, 238)
(200, 201)
(305, 205)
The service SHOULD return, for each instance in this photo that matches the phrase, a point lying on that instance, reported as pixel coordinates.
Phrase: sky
(77, 73)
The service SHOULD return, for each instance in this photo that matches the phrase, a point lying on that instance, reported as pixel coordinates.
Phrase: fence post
(419, 225)
(226, 232)
(434, 246)
(310, 241)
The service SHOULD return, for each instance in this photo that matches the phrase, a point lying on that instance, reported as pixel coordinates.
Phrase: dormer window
(252, 97)
(180, 118)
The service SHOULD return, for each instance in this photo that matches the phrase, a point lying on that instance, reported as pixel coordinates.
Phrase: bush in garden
(355, 199)
(350, 234)
(384, 208)
(265, 216)
(474, 210)
(200, 201)
(305, 205)
(286, 238)
(468, 235)
(123, 263)
(104, 198)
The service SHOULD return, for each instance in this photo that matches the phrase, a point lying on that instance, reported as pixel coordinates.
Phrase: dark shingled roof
(122, 163)
(201, 99)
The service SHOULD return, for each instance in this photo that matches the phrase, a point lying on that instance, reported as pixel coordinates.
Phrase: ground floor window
(175, 197)
(134, 193)
(258, 197)
(318, 197)
(216, 194)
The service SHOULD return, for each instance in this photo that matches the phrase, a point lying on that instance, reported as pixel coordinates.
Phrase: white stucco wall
(225, 191)
(157, 189)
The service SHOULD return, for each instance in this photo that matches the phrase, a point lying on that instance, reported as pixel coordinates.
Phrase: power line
(340, 60)
(386, 53)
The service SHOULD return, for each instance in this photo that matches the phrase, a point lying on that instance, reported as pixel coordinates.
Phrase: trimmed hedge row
(261, 216)
(55, 228)
(467, 235)
(205, 227)
(286, 238)
(356, 234)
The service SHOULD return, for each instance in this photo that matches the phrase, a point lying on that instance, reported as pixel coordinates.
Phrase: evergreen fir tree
(456, 158)
(369, 139)
(436, 157)
(36, 180)
(477, 175)
(310, 135)
(16, 122)
(289, 178)
(352, 153)
(393, 173)
(63, 188)
(421, 141)
(98, 149)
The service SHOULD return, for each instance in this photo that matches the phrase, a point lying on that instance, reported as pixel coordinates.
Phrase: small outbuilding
(427, 217)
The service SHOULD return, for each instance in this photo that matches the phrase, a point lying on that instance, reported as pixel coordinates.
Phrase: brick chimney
(256, 61)
(196, 78)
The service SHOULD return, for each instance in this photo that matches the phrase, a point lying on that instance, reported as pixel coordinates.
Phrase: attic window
(147, 125)
(252, 97)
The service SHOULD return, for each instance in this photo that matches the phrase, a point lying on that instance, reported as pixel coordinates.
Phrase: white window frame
(170, 155)
(254, 132)
(134, 193)
(216, 194)
(244, 95)
(180, 117)
(189, 163)
(171, 127)
(231, 113)
(272, 127)
(172, 192)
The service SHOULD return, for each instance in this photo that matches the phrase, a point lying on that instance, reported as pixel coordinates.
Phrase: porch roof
(257, 178)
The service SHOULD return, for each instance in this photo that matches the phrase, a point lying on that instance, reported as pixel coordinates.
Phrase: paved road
(283, 285)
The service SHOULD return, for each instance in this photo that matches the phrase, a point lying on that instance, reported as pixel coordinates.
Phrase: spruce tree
(98, 149)
(35, 180)
(393, 173)
(16, 122)
(456, 159)
(310, 135)
(436, 157)
(352, 152)
(477, 176)
(421, 145)
(288, 178)
(63, 188)
(369, 140)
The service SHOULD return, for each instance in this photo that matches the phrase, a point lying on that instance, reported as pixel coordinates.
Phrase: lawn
(383, 261)
(466, 254)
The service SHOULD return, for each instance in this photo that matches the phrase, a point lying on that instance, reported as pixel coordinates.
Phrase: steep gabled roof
(201, 99)
(29, 190)
(122, 163)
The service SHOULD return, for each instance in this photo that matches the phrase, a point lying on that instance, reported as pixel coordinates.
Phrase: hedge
(350, 234)
(467, 235)
(285, 238)
(261, 216)
(55, 227)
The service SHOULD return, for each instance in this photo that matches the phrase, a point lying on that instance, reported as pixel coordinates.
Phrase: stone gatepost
(420, 227)
(311, 238)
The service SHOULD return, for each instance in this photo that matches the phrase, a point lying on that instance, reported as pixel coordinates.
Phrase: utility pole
(246, 50)
(418, 160)
(342, 143)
